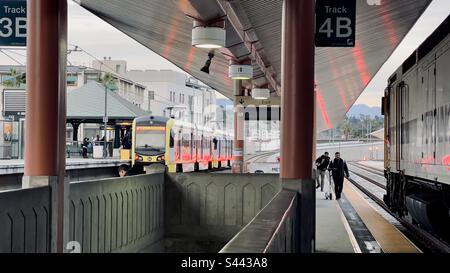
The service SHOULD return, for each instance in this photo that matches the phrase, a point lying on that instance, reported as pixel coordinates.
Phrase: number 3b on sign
(13, 22)
(18, 27)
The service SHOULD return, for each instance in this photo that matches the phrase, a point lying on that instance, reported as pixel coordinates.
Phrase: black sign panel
(13, 22)
(335, 23)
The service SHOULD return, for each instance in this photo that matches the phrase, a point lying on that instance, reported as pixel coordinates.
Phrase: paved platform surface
(332, 235)
(11, 166)
(390, 239)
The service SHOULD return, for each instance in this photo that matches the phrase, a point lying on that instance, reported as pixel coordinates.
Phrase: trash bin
(97, 152)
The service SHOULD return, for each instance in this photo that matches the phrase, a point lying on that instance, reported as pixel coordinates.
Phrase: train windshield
(150, 140)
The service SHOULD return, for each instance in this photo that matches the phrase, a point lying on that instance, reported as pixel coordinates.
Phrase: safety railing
(273, 229)
(215, 206)
(25, 220)
(91, 149)
(116, 215)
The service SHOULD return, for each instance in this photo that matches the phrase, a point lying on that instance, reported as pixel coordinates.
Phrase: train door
(432, 108)
(203, 148)
(192, 145)
(397, 124)
(404, 125)
(428, 119)
(386, 113)
(180, 145)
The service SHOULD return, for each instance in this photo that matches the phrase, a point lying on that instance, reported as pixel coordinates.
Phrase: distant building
(174, 92)
(77, 76)
(118, 67)
(12, 103)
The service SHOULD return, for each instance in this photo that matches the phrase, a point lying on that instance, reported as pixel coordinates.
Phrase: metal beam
(256, 55)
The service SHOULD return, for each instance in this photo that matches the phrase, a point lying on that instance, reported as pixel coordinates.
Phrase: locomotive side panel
(443, 113)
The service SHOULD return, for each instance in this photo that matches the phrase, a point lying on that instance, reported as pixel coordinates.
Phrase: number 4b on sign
(335, 23)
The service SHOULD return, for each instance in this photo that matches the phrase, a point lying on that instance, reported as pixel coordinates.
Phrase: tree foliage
(15, 79)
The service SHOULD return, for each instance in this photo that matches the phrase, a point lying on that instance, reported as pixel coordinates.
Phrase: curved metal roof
(254, 31)
(87, 103)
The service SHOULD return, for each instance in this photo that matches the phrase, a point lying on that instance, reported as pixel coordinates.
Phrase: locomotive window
(215, 143)
(171, 141)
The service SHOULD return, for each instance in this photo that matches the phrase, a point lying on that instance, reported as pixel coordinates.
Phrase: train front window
(150, 140)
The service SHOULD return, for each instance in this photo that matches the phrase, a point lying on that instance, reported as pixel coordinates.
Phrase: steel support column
(238, 143)
(45, 124)
(298, 112)
(117, 136)
(75, 126)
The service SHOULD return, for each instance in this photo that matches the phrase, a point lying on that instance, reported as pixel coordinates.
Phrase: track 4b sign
(335, 23)
(13, 22)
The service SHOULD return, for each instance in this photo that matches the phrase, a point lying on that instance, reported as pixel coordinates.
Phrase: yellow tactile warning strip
(388, 236)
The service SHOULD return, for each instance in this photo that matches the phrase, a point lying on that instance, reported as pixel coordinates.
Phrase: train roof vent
(408, 63)
(392, 79)
(434, 39)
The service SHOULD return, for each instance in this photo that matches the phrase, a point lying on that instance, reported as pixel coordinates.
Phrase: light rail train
(179, 145)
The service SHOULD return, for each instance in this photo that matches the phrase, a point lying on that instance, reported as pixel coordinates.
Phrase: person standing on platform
(339, 171)
(322, 163)
(123, 170)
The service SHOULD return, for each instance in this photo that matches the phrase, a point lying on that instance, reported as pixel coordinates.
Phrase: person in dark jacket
(126, 141)
(124, 170)
(322, 165)
(339, 171)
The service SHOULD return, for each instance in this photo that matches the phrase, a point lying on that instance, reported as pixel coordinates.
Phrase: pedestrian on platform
(322, 163)
(85, 147)
(123, 170)
(339, 171)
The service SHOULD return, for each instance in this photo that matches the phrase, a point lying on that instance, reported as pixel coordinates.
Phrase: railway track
(367, 168)
(425, 240)
(257, 158)
(371, 180)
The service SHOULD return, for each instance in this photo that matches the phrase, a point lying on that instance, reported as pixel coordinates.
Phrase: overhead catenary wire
(10, 57)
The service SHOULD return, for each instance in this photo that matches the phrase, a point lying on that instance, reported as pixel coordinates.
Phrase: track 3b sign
(13, 22)
(335, 23)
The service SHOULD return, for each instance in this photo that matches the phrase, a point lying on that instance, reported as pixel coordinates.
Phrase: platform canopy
(86, 105)
(253, 30)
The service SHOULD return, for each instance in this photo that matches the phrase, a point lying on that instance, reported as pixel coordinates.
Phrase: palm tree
(16, 79)
(346, 129)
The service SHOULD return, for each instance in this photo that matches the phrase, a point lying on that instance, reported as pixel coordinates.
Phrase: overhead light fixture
(260, 93)
(204, 36)
(205, 68)
(240, 71)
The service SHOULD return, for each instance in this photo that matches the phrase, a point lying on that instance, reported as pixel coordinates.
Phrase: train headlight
(137, 157)
(160, 158)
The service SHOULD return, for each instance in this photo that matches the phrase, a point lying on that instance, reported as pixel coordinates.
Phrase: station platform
(352, 225)
(332, 231)
(77, 169)
(13, 166)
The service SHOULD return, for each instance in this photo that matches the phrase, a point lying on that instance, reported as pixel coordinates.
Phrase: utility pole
(105, 121)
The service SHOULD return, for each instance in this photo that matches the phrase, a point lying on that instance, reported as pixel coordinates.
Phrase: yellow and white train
(179, 145)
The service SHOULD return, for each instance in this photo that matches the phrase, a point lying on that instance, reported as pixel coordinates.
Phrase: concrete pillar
(298, 112)
(238, 143)
(45, 124)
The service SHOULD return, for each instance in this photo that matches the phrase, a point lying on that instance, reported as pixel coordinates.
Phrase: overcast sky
(100, 39)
